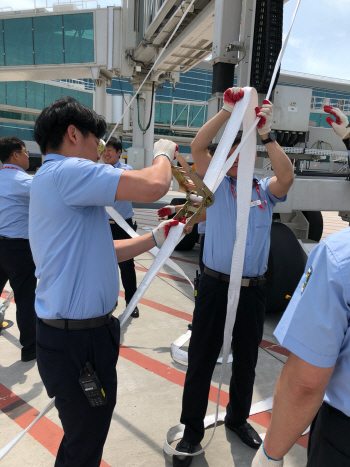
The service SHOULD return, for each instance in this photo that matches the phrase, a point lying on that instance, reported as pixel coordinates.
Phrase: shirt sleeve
(265, 184)
(82, 183)
(24, 187)
(315, 323)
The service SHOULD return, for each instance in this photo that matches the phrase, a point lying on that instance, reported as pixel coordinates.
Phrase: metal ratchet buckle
(191, 184)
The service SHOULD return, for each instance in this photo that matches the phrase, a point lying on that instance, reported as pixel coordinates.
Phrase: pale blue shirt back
(14, 201)
(220, 232)
(124, 208)
(315, 325)
(201, 227)
(71, 240)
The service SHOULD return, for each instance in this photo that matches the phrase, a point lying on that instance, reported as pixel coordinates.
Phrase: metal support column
(143, 115)
(100, 97)
(226, 31)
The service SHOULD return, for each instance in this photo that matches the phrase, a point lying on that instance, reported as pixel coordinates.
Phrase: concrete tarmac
(150, 383)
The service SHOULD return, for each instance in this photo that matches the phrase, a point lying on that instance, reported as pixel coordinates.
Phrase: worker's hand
(341, 124)
(265, 112)
(165, 147)
(261, 459)
(160, 233)
(231, 96)
(166, 211)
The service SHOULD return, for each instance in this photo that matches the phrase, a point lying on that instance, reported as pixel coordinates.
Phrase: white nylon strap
(125, 226)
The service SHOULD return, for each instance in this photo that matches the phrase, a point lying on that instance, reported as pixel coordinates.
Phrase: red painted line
(274, 347)
(184, 260)
(161, 274)
(165, 309)
(178, 377)
(46, 432)
(5, 294)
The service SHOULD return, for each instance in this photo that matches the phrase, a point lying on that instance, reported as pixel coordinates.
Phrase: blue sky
(320, 39)
(319, 43)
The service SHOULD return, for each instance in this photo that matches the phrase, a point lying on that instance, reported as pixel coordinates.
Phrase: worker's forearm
(131, 247)
(281, 164)
(294, 408)
(208, 131)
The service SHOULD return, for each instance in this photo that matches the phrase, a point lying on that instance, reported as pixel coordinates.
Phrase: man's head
(212, 148)
(13, 151)
(112, 152)
(70, 129)
(232, 172)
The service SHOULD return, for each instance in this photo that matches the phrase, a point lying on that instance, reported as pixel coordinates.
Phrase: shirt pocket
(263, 218)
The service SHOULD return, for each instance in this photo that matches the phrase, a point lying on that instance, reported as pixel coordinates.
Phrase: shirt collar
(117, 165)
(14, 166)
(54, 157)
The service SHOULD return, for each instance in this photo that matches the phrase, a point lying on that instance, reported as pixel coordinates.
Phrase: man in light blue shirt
(16, 261)
(111, 156)
(314, 385)
(210, 310)
(76, 264)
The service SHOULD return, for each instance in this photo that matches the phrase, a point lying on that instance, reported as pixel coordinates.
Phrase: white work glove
(160, 233)
(341, 124)
(231, 96)
(166, 211)
(165, 147)
(265, 112)
(261, 459)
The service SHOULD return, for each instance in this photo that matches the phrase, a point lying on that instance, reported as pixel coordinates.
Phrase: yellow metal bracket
(191, 184)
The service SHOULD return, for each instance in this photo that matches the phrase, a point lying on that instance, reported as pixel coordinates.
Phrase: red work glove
(231, 96)
(265, 112)
(341, 124)
(166, 211)
(160, 233)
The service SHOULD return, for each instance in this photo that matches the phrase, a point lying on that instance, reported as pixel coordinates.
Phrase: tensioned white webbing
(130, 231)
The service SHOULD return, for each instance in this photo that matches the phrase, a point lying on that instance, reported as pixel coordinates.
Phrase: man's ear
(72, 134)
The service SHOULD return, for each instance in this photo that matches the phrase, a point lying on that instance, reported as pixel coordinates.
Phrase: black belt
(246, 281)
(78, 324)
(10, 238)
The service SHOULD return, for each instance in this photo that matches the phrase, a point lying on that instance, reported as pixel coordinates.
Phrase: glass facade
(38, 95)
(47, 40)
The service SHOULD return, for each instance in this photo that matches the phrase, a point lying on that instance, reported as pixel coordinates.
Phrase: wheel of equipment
(315, 220)
(286, 265)
(189, 241)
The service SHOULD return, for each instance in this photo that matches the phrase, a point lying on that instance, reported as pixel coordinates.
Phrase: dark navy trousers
(206, 341)
(127, 268)
(17, 266)
(329, 439)
(61, 354)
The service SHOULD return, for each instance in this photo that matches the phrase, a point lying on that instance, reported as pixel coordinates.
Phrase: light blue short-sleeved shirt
(124, 208)
(14, 201)
(315, 325)
(220, 232)
(71, 240)
(201, 227)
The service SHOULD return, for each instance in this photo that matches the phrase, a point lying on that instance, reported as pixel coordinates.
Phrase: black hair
(115, 143)
(9, 145)
(212, 148)
(53, 122)
(238, 138)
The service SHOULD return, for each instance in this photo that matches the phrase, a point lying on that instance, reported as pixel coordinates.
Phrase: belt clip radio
(92, 387)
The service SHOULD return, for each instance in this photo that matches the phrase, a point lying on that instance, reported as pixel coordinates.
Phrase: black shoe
(247, 434)
(183, 461)
(28, 357)
(135, 313)
(190, 327)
